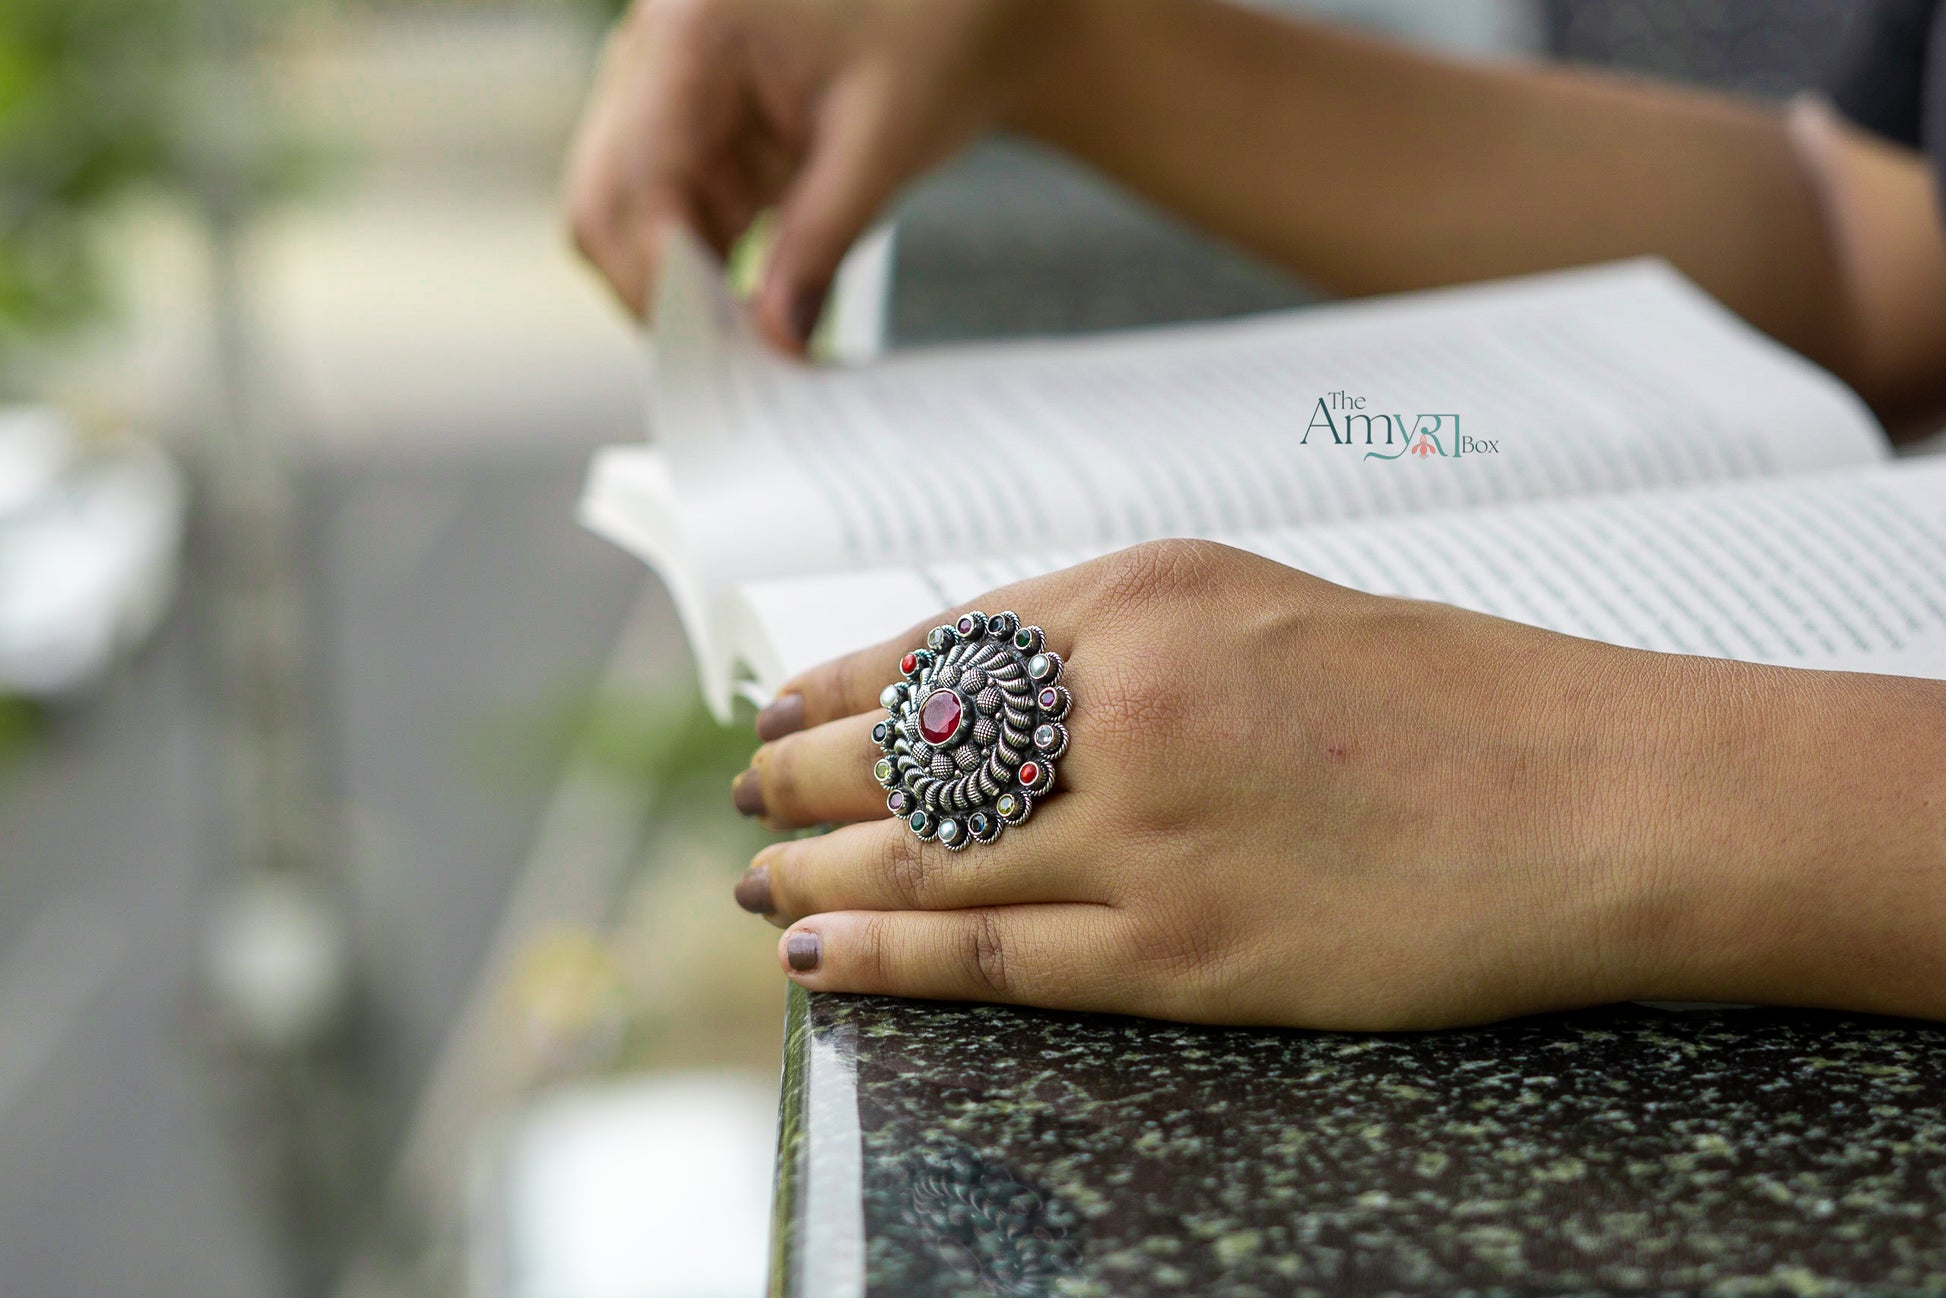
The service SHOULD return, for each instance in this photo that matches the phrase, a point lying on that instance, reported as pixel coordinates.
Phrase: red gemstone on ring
(909, 664)
(939, 717)
(1030, 774)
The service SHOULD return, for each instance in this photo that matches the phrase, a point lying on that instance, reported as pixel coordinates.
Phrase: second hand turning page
(1581, 383)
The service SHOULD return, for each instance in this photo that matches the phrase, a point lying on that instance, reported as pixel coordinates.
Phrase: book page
(1579, 383)
(1846, 572)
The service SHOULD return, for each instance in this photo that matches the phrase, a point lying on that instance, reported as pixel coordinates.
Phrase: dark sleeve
(1888, 77)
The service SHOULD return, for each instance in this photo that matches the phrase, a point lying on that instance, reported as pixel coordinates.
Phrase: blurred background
(364, 856)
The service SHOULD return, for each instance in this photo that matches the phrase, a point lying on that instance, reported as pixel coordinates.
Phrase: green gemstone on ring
(1023, 639)
(883, 770)
(1008, 805)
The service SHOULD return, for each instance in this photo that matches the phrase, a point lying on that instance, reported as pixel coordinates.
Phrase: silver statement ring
(973, 729)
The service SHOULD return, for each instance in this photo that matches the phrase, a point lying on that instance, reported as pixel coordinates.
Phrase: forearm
(1367, 167)
(1802, 856)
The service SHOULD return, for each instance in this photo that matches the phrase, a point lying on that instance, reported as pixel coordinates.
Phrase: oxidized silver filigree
(973, 729)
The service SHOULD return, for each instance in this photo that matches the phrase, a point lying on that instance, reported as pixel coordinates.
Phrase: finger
(817, 777)
(858, 155)
(600, 195)
(664, 103)
(883, 865)
(599, 216)
(852, 684)
(843, 687)
(1057, 956)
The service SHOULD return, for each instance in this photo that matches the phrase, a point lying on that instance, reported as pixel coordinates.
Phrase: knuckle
(1178, 943)
(790, 890)
(1146, 694)
(871, 953)
(842, 680)
(781, 776)
(1155, 570)
(850, 685)
(987, 954)
(908, 872)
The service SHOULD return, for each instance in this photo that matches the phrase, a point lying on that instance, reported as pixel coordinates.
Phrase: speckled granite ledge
(978, 1150)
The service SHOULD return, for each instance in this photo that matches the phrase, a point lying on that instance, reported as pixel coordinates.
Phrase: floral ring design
(972, 730)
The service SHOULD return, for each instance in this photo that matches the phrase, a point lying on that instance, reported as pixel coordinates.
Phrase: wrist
(1794, 840)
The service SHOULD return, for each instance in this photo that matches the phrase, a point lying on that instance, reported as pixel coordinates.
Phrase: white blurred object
(651, 1188)
(90, 545)
(35, 448)
(275, 963)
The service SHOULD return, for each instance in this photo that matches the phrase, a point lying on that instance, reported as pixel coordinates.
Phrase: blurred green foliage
(88, 105)
(667, 746)
(671, 746)
(20, 721)
(98, 97)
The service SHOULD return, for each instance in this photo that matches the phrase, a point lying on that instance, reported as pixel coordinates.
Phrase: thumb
(859, 155)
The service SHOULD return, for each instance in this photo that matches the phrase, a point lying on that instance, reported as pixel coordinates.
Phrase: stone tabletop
(934, 1149)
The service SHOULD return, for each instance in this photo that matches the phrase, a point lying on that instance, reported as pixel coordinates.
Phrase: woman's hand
(1284, 802)
(1290, 803)
(707, 112)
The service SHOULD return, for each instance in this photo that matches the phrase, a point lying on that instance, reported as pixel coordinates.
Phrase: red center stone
(939, 717)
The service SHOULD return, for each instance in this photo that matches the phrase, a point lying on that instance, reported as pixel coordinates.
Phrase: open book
(1606, 452)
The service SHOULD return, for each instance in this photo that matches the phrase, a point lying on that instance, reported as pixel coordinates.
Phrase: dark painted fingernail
(748, 793)
(803, 950)
(783, 717)
(806, 307)
(753, 890)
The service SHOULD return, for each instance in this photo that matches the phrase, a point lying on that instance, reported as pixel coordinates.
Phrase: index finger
(635, 155)
(847, 686)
